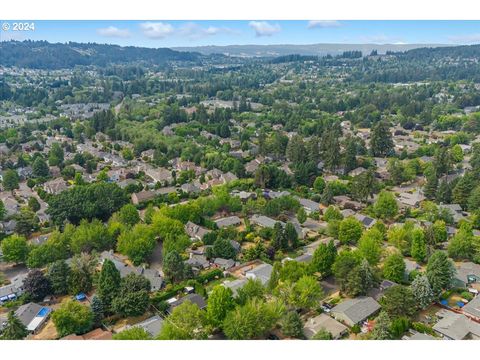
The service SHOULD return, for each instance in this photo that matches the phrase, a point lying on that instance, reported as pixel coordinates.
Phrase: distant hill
(45, 55)
(312, 49)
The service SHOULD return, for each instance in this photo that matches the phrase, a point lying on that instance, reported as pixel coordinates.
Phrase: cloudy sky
(193, 33)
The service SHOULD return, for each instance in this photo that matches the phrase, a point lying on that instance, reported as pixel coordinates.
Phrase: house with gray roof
(367, 221)
(193, 298)
(228, 221)
(355, 311)
(308, 205)
(455, 326)
(261, 272)
(152, 325)
(224, 264)
(472, 309)
(324, 322)
(264, 221)
(234, 285)
(196, 232)
(456, 211)
(467, 273)
(33, 316)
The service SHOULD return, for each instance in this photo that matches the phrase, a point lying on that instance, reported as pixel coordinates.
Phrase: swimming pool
(43, 312)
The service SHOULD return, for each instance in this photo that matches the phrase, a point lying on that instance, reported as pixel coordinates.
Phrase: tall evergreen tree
(381, 139)
(108, 283)
(14, 329)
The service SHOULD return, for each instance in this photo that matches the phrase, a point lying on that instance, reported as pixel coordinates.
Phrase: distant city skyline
(158, 33)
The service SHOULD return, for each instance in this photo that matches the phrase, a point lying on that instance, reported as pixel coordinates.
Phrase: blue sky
(157, 33)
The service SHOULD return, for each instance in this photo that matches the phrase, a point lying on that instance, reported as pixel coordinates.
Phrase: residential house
(33, 316)
(467, 273)
(367, 221)
(193, 298)
(472, 309)
(143, 196)
(55, 186)
(355, 311)
(235, 285)
(228, 221)
(196, 232)
(456, 211)
(455, 326)
(308, 205)
(152, 325)
(324, 322)
(261, 272)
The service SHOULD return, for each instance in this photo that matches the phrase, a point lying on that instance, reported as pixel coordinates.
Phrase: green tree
(345, 262)
(97, 309)
(363, 186)
(137, 243)
(72, 317)
(173, 267)
(40, 167)
(381, 330)
(133, 333)
(253, 289)
(350, 230)
(386, 206)
(394, 268)
(291, 235)
(422, 291)
(55, 155)
(36, 285)
(381, 142)
(440, 272)
(33, 204)
(14, 329)
(27, 222)
(128, 214)
(132, 299)
(332, 213)
(10, 180)
(252, 320)
(292, 325)
(220, 302)
(279, 240)
(81, 276)
(3, 211)
(370, 245)
(462, 190)
(301, 215)
(58, 274)
(108, 283)
(462, 245)
(419, 247)
(398, 301)
(187, 322)
(360, 280)
(15, 249)
(319, 184)
(323, 259)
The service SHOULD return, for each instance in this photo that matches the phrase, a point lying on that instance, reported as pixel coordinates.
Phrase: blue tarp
(460, 304)
(81, 297)
(444, 302)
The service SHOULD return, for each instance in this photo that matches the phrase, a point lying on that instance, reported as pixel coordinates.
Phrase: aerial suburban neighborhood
(159, 194)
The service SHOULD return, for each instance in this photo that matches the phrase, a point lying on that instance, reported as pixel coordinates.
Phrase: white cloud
(263, 28)
(194, 31)
(113, 31)
(313, 24)
(156, 30)
(465, 39)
